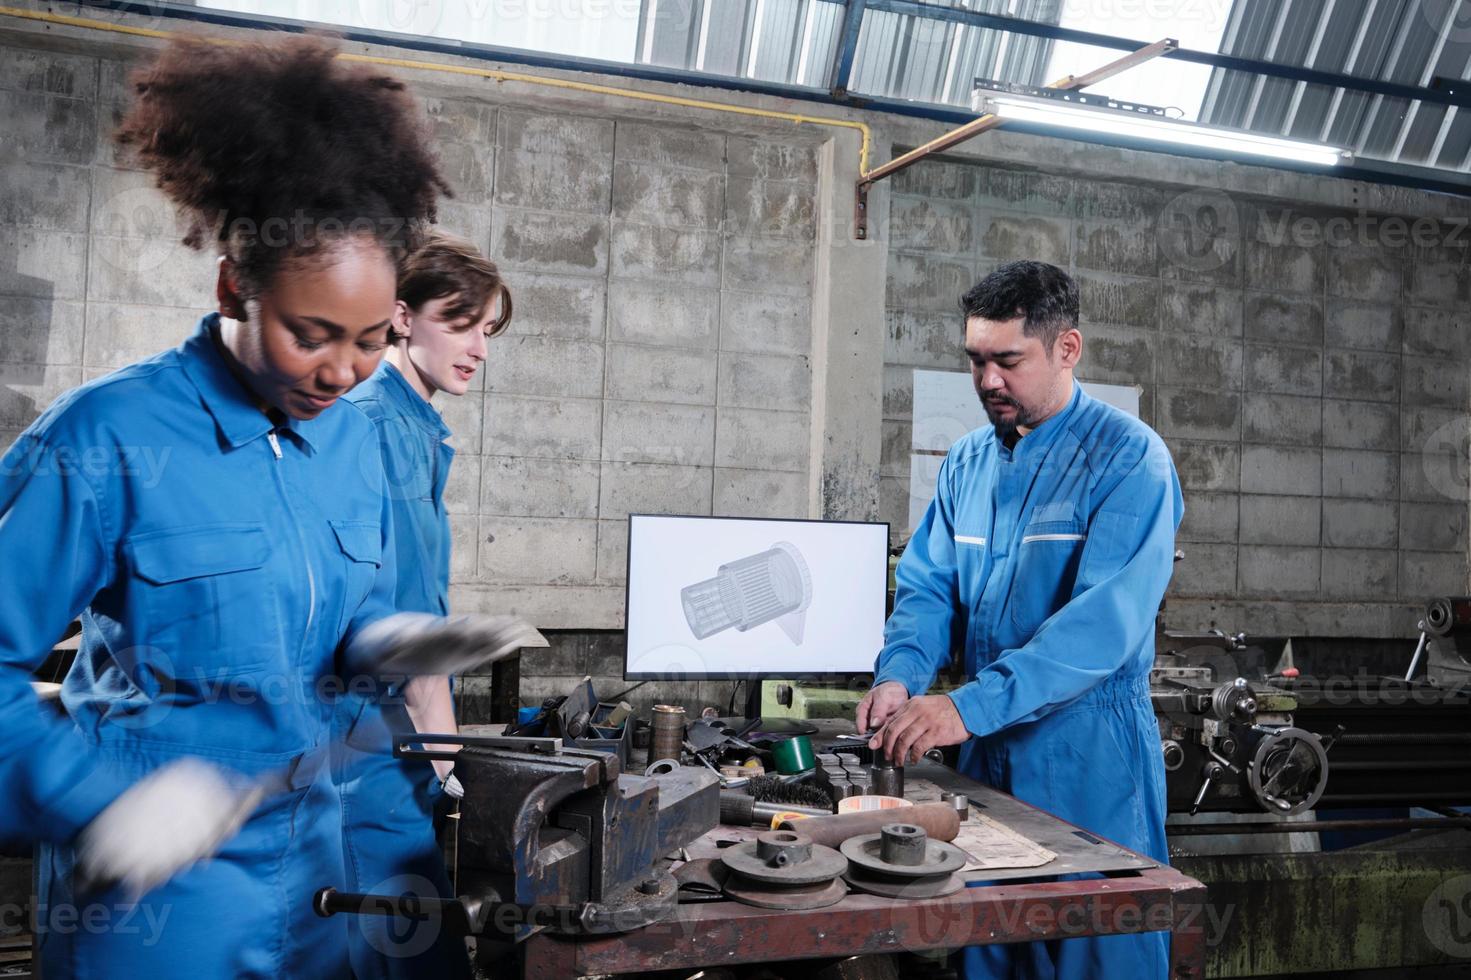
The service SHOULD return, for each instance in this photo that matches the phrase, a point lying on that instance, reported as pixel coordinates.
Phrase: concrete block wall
(1311, 381)
(660, 360)
(697, 331)
(89, 276)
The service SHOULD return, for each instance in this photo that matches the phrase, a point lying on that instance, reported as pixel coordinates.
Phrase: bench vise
(554, 838)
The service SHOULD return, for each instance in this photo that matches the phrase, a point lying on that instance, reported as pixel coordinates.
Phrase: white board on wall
(946, 407)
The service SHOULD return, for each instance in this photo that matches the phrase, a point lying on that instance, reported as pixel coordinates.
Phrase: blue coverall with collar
(219, 561)
(1048, 561)
(388, 803)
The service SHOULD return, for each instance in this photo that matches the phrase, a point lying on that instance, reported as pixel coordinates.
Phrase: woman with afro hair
(223, 604)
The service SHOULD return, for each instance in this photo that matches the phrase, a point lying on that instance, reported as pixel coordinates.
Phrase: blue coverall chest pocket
(1046, 567)
(203, 587)
(361, 543)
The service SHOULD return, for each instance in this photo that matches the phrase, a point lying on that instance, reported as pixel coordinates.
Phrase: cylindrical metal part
(784, 847)
(888, 779)
(667, 727)
(618, 715)
(939, 821)
(1448, 614)
(960, 802)
(1234, 701)
(888, 782)
(902, 843)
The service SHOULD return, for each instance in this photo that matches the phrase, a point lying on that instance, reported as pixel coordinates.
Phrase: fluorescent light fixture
(1159, 129)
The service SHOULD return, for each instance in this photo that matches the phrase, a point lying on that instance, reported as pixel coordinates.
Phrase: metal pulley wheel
(1288, 770)
(782, 869)
(787, 899)
(900, 861)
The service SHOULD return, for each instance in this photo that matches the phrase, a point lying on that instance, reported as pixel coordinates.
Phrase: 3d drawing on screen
(706, 595)
(774, 584)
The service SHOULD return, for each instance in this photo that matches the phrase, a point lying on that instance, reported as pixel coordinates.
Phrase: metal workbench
(1134, 894)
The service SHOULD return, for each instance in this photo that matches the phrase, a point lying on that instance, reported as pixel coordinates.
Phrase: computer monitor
(746, 598)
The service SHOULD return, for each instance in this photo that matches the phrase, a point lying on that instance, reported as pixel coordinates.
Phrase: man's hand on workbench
(920, 725)
(879, 705)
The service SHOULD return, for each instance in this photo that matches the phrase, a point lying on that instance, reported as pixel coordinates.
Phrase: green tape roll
(794, 755)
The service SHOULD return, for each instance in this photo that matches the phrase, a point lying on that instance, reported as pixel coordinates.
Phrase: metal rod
(1392, 765)
(1415, 799)
(989, 121)
(1146, 53)
(1313, 826)
(462, 916)
(516, 743)
(1404, 738)
(973, 128)
(1419, 649)
(329, 901)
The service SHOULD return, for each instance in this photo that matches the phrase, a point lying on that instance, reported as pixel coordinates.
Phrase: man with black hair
(1046, 551)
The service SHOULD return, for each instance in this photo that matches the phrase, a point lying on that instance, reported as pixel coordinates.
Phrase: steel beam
(842, 73)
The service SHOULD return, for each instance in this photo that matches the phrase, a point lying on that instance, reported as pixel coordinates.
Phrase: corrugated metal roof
(899, 55)
(789, 41)
(921, 57)
(1413, 42)
(906, 57)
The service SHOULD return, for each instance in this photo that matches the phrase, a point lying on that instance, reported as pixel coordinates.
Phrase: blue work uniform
(1048, 561)
(388, 803)
(219, 561)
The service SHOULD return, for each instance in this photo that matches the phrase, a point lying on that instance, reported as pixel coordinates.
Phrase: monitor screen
(725, 597)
